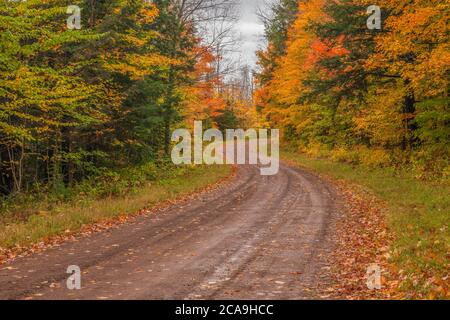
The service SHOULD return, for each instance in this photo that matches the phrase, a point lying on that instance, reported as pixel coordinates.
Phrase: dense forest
(104, 94)
(91, 92)
(372, 96)
(85, 98)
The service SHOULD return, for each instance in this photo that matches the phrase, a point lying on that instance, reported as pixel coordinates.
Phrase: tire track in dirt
(256, 237)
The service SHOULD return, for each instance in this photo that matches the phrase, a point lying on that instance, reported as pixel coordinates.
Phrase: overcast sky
(250, 29)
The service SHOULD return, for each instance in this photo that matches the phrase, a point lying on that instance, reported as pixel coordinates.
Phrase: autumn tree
(42, 95)
(363, 93)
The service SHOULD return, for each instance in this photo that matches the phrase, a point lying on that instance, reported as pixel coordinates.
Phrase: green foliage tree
(77, 102)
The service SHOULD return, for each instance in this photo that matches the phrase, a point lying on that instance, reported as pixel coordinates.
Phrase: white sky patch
(251, 30)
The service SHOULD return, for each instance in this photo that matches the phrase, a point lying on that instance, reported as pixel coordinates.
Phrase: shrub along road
(255, 237)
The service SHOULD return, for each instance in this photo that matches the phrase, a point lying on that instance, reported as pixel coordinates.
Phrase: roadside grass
(50, 219)
(418, 217)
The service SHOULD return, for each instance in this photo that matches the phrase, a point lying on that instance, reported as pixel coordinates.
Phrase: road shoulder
(361, 241)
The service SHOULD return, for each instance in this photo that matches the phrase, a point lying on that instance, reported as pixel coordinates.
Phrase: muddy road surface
(255, 237)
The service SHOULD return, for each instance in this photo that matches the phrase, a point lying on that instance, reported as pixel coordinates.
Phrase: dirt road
(254, 238)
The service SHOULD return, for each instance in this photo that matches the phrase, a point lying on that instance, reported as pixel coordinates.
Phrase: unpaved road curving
(254, 238)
